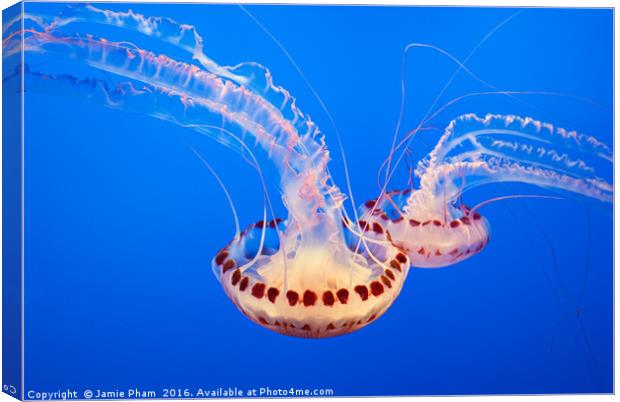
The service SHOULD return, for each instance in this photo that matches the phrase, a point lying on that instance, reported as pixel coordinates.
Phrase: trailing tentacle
(304, 177)
(474, 151)
(250, 75)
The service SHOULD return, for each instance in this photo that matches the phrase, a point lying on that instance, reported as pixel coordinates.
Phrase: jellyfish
(429, 219)
(432, 223)
(314, 273)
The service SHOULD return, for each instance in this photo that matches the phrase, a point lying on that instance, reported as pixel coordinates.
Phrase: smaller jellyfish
(431, 222)
(316, 273)
(432, 239)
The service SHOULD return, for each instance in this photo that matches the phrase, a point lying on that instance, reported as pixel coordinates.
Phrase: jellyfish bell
(433, 235)
(314, 274)
(311, 286)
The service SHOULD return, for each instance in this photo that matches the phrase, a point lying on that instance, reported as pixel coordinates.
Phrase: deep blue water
(122, 219)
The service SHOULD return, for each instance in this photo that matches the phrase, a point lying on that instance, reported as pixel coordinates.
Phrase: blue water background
(122, 219)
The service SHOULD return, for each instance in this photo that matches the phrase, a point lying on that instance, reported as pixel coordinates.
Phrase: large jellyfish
(312, 274)
(429, 219)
